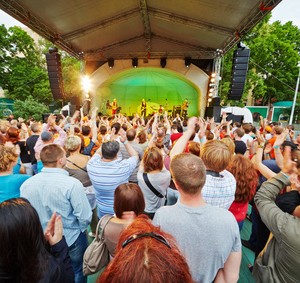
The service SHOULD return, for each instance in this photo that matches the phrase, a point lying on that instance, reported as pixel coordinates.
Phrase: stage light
(163, 62)
(187, 61)
(111, 62)
(86, 83)
(209, 100)
(213, 75)
(135, 62)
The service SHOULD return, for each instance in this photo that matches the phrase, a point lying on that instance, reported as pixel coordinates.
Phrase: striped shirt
(53, 190)
(106, 176)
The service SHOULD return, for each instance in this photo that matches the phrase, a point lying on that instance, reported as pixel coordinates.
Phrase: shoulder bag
(96, 255)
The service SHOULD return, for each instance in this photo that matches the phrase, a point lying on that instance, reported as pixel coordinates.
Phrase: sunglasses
(155, 236)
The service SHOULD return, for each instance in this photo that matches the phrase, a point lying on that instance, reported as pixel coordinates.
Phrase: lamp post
(295, 96)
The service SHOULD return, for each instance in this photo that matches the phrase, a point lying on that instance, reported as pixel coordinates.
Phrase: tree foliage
(272, 71)
(29, 108)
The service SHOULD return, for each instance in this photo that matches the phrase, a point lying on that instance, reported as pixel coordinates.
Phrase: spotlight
(111, 62)
(163, 62)
(135, 62)
(187, 61)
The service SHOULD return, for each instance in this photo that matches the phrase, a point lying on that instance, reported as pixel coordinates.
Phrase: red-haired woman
(146, 254)
(154, 180)
(246, 182)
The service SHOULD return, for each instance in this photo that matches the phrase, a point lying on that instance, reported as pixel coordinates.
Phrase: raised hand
(54, 229)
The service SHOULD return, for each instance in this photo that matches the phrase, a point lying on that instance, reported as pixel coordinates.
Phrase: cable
(291, 88)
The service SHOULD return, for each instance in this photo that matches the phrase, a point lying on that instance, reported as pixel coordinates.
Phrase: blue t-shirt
(10, 186)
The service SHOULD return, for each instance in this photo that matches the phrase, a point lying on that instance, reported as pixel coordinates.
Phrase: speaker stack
(55, 73)
(214, 110)
(239, 73)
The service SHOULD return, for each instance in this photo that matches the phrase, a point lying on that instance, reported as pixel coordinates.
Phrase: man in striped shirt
(107, 171)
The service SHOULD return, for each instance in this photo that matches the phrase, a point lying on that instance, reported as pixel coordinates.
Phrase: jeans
(76, 251)
(34, 168)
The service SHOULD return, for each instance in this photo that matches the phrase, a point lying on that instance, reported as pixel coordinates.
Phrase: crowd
(173, 194)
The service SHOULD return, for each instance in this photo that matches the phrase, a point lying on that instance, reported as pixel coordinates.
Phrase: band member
(161, 109)
(114, 107)
(108, 106)
(143, 107)
(184, 108)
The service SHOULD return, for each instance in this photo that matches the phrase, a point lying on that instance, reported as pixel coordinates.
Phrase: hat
(46, 136)
(268, 129)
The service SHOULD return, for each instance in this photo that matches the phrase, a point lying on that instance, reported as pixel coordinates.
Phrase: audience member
(128, 204)
(154, 180)
(208, 236)
(10, 183)
(107, 172)
(24, 253)
(146, 254)
(53, 190)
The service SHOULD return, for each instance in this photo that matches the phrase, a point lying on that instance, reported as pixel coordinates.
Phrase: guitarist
(114, 107)
(184, 108)
(143, 108)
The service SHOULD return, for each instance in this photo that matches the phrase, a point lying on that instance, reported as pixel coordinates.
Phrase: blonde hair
(230, 143)
(8, 156)
(215, 155)
(72, 143)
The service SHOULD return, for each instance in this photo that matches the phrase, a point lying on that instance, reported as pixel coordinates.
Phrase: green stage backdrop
(156, 85)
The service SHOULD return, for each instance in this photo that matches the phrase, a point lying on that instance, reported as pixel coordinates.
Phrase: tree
(22, 71)
(272, 71)
(29, 108)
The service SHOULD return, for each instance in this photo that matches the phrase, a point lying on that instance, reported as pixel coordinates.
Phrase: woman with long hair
(246, 182)
(154, 180)
(25, 254)
(146, 254)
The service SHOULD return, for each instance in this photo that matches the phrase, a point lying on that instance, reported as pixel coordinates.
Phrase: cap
(46, 136)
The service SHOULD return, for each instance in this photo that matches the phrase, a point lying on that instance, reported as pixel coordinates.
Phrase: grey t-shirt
(160, 181)
(206, 235)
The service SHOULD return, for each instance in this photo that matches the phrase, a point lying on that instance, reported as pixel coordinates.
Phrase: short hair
(240, 133)
(278, 130)
(128, 197)
(50, 154)
(35, 127)
(8, 156)
(146, 259)
(209, 135)
(215, 155)
(117, 127)
(12, 134)
(188, 172)
(86, 130)
(230, 143)
(72, 143)
(103, 130)
(142, 137)
(247, 128)
(110, 149)
(22, 242)
(152, 159)
(194, 148)
(130, 134)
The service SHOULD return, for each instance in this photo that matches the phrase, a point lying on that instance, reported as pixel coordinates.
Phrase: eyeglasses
(155, 236)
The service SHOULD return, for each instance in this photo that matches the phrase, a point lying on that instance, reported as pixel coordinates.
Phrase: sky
(286, 10)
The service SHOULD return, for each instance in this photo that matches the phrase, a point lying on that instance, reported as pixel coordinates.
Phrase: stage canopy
(98, 30)
(157, 86)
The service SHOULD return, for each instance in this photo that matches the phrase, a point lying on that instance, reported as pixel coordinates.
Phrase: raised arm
(181, 143)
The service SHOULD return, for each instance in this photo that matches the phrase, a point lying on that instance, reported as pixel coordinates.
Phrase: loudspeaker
(213, 111)
(239, 73)
(55, 75)
(216, 101)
